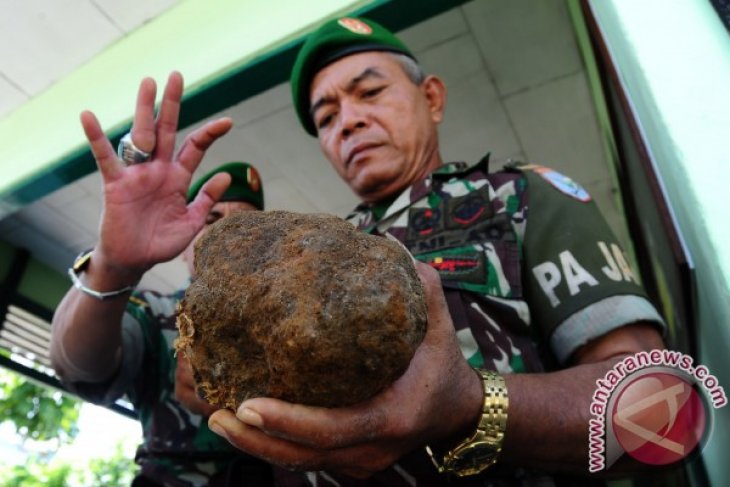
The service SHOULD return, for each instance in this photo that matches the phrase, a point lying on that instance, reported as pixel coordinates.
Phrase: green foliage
(115, 471)
(43, 414)
(36, 474)
(38, 413)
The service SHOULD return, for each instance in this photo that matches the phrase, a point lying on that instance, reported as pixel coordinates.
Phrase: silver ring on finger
(129, 153)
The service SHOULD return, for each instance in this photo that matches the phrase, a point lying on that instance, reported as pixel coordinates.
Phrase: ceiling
(43, 41)
(517, 87)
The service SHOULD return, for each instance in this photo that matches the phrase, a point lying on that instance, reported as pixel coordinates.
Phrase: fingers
(196, 143)
(168, 116)
(357, 461)
(209, 195)
(158, 136)
(256, 442)
(143, 128)
(429, 276)
(438, 311)
(313, 426)
(101, 148)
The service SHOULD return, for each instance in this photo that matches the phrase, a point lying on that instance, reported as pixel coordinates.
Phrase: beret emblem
(253, 179)
(356, 26)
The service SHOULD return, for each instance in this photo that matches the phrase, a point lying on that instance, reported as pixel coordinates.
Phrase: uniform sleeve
(578, 281)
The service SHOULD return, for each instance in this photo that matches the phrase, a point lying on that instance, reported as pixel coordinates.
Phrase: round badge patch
(563, 183)
(355, 25)
(253, 179)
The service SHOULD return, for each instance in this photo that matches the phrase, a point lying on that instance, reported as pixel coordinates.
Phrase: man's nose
(353, 118)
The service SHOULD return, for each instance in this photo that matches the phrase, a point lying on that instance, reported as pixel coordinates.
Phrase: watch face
(473, 458)
(82, 261)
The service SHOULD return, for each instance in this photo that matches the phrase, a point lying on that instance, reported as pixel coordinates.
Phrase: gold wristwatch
(480, 451)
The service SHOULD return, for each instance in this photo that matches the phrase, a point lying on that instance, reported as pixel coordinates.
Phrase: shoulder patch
(561, 182)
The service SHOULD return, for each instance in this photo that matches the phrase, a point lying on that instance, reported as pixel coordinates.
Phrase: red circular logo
(659, 418)
(356, 26)
(253, 179)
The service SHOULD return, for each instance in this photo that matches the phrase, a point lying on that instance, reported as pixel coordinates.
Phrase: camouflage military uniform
(178, 447)
(524, 293)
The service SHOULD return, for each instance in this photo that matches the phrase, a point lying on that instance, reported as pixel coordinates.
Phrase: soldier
(109, 340)
(530, 290)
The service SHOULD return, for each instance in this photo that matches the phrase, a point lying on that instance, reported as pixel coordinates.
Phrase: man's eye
(371, 93)
(325, 121)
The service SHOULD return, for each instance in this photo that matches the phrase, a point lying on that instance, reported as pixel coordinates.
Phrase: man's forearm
(547, 427)
(86, 334)
(86, 337)
(549, 413)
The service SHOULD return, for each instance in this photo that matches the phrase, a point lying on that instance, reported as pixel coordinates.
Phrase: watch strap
(494, 409)
(488, 435)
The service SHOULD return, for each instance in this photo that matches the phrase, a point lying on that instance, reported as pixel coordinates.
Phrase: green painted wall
(39, 283)
(43, 285)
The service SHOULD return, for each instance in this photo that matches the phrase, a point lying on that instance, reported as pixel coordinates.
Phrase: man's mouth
(359, 149)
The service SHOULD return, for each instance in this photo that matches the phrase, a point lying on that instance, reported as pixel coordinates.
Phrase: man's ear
(435, 91)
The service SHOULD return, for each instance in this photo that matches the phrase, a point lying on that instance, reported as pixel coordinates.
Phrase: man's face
(376, 127)
(219, 210)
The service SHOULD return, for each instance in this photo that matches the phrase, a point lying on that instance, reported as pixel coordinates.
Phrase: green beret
(334, 40)
(245, 184)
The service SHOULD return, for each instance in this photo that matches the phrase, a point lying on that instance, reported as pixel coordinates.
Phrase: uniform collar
(364, 215)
